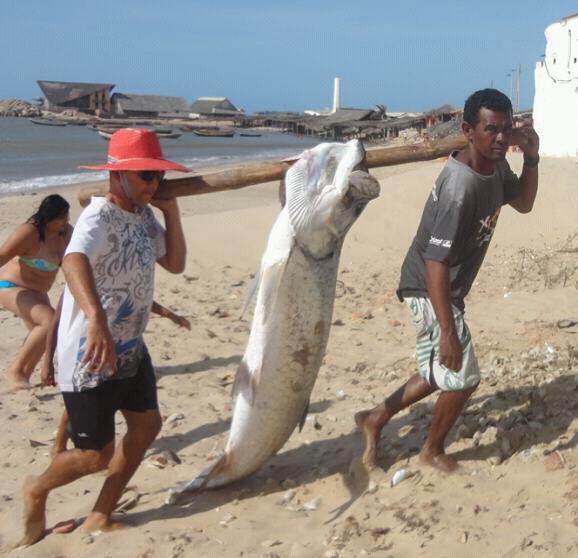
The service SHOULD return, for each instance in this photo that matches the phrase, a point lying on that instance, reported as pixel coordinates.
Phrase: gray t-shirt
(456, 226)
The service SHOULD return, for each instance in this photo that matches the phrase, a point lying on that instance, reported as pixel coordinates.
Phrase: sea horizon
(35, 158)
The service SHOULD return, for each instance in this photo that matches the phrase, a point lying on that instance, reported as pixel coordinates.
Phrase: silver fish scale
(297, 336)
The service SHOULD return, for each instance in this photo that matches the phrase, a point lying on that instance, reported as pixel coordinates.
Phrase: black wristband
(531, 162)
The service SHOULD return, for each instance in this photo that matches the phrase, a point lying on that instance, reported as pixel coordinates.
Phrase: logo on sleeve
(440, 242)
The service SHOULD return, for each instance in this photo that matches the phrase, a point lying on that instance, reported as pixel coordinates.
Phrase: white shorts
(427, 348)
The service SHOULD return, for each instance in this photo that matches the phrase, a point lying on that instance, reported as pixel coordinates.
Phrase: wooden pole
(258, 173)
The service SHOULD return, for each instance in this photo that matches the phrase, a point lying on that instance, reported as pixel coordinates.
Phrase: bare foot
(34, 513)
(440, 461)
(65, 527)
(17, 382)
(99, 522)
(371, 432)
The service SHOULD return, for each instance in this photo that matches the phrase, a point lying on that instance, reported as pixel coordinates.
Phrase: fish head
(326, 191)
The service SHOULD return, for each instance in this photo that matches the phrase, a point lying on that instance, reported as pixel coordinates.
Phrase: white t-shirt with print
(122, 248)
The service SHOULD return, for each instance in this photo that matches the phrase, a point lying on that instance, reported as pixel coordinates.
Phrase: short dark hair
(50, 208)
(487, 98)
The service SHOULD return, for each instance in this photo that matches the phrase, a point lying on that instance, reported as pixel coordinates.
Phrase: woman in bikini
(29, 261)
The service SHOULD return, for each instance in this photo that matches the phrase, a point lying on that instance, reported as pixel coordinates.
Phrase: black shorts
(91, 412)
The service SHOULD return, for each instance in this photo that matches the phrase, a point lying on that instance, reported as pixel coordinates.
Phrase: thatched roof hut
(214, 107)
(149, 106)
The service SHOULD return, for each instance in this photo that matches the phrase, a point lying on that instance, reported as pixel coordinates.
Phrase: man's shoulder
(455, 181)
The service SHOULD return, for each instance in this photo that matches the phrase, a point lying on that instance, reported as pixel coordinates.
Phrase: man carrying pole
(102, 361)
(443, 260)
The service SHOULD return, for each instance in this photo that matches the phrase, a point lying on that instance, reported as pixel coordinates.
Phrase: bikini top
(39, 264)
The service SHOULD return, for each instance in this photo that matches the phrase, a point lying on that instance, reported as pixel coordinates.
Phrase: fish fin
(270, 282)
(252, 292)
(246, 382)
(304, 417)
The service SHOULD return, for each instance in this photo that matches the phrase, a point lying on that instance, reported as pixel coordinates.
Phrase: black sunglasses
(149, 176)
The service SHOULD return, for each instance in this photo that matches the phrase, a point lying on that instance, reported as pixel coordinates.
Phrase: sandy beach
(517, 491)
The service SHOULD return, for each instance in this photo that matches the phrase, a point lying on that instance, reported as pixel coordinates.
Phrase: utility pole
(511, 76)
(518, 88)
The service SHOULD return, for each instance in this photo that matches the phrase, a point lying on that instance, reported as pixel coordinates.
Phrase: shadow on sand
(323, 458)
(199, 366)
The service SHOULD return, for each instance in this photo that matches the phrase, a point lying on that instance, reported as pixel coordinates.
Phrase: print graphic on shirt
(487, 228)
(125, 282)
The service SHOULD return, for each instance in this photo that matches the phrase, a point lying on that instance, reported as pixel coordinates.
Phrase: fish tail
(201, 481)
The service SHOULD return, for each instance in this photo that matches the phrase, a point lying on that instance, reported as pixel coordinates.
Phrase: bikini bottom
(7, 284)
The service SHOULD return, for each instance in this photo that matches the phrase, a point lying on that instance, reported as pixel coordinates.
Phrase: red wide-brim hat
(136, 149)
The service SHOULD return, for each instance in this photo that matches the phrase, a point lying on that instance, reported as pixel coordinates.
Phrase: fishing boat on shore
(47, 122)
(214, 132)
(250, 134)
(106, 133)
(109, 128)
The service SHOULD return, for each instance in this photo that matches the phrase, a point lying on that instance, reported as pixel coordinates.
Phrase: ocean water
(33, 157)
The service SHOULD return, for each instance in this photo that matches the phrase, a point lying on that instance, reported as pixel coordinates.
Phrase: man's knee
(98, 459)
(156, 423)
(146, 425)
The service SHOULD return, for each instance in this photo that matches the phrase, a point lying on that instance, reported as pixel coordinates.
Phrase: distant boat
(106, 133)
(168, 135)
(114, 128)
(214, 132)
(249, 134)
(46, 122)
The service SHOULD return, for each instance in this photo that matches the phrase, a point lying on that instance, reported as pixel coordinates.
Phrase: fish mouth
(363, 186)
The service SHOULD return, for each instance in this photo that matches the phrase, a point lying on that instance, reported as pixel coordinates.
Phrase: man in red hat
(102, 361)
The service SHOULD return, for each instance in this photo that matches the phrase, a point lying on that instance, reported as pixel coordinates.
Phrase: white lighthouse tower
(336, 95)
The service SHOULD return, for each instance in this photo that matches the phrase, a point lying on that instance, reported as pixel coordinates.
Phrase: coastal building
(149, 106)
(290, 122)
(214, 107)
(339, 124)
(85, 97)
(556, 90)
(439, 115)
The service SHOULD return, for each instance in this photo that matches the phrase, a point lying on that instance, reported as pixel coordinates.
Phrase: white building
(556, 97)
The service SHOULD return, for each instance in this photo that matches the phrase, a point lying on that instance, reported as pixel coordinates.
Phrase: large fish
(326, 190)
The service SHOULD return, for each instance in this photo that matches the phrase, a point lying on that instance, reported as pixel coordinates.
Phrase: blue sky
(267, 55)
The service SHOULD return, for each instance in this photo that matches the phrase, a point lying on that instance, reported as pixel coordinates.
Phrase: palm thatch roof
(130, 102)
(209, 106)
